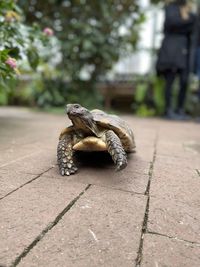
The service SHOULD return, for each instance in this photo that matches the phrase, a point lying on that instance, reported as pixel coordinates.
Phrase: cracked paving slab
(111, 230)
(133, 178)
(163, 251)
(27, 211)
(35, 163)
(103, 228)
(174, 217)
(174, 200)
(11, 180)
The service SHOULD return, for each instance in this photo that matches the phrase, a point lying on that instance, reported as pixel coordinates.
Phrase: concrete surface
(145, 215)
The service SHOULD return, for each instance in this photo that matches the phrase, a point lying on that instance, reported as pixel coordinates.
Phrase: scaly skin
(116, 150)
(65, 155)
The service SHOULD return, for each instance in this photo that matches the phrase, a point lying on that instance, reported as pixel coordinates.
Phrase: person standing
(197, 53)
(174, 55)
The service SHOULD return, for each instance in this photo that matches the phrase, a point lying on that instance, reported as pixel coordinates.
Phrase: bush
(55, 92)
(149, 97)
(17, 41)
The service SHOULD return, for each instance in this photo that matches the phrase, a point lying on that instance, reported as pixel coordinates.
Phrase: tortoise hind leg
(65, 155)
(116, 150)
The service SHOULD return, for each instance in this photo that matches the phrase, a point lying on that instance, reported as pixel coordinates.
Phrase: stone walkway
(146, 215)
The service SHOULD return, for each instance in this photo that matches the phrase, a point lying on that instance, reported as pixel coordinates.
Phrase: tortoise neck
(87, 124)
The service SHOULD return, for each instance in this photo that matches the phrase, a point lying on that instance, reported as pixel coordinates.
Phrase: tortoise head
(81, 117)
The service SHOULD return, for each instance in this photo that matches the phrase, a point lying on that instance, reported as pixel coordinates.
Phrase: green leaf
(14, 52)
(140, 92)
(3, 98)
(4, 54)
(33, 58)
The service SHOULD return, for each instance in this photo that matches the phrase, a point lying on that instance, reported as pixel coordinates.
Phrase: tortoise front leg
(65, 155)
(116, 150)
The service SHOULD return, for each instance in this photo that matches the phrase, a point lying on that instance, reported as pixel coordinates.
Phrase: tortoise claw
(121, 165)
(66, 170)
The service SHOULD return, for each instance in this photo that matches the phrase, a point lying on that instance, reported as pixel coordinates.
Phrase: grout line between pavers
(48, 228)
(100, 185)
(145, 220)
(30, 181)
(111, 188)
(119, 189)
(173, 237)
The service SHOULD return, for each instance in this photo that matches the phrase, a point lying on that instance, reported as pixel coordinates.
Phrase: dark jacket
(174, 52)
(195, 63)
(198, 32)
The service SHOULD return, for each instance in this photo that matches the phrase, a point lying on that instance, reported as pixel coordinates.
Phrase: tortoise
(93, 131)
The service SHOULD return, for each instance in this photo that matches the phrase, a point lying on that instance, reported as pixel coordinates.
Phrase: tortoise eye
(76, 106)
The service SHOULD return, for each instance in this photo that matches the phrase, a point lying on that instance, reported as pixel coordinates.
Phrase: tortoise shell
(118, 125)
(93, 130)
(104, 121)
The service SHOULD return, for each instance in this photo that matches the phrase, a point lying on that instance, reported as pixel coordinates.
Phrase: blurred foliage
(193, 104)
(156, 1)
(92, 36)
(17, 41)
(91, 32)
(193, 98)
(9, 94)
(48, 89)
(54, 92)
(149, 99)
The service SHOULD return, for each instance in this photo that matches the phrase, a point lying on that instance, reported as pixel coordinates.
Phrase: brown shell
(118, 125)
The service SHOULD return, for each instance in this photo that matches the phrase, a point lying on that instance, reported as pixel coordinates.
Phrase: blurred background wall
(143, 59)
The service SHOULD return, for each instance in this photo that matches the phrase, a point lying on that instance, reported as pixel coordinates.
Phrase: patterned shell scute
(118, 125)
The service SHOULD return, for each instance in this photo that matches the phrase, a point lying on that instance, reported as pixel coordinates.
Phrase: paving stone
(101, 171)
(181, 130)
(11, 180)
(175, 181)
(175, 217)
(163, 251)
(172, 148)
(15, 153)
(185, 149)
(34, 163)
(174, 204)
(145, 151)
(178, 162)
(132, 182)
(103, 228)
(108, 233)
(27, 211)
(18, 130)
